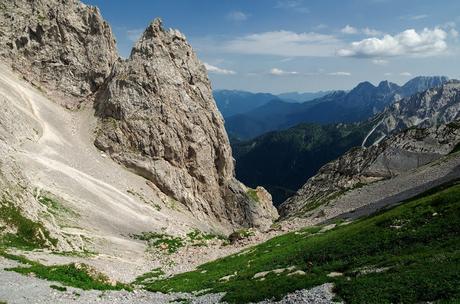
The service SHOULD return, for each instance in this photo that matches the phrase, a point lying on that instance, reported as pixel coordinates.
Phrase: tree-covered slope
(282, 161)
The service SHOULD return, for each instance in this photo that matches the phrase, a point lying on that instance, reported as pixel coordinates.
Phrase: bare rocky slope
(396, 155)
(153, 114)
(435, 106)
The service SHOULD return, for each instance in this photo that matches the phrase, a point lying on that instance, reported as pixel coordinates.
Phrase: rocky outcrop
(432, 107)
(159, 119)
(396, 154)
(64, 46)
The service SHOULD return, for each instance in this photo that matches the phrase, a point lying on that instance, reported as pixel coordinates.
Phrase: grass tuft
(29, 234)
(75, 275)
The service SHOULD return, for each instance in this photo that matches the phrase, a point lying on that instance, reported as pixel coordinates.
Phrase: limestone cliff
(159, 119)
(65, 47)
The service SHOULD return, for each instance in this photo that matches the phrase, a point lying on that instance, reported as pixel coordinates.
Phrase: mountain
(435, 106)
(302, 97)
(409, 134)
(359, 104)
(66, 48)
(293, 159)
(233, 102)
(365, 179)
(282, 161)
(421, 83)
(144, 149)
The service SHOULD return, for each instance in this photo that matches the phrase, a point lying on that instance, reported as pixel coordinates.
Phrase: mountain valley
(128, 179)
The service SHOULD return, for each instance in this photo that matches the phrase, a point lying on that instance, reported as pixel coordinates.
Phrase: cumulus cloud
(339, 74)
(348, 29)
(425, 43)
(237, 16)
(216, 70)
(284, 43)
(279, 72)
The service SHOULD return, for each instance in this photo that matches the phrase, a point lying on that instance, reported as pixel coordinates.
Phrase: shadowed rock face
(64, 46)
(394, 155)
(160, 120)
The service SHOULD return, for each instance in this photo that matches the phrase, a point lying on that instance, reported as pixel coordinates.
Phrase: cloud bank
(409, 42)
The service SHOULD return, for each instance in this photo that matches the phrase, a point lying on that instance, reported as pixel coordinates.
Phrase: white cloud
(425, 43)
(216, 70)
(454, 33)
(134, 34)
(380, 61)
(279, 72)
(284, 43)
(294, 5)
(388, 74)
(405, 74)
(340, 74)
(371, 32)
(348, 29)
(237, 16)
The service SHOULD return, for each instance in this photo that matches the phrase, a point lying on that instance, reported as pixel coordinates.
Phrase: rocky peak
(63, 46)
(432, 107)
(159, 119)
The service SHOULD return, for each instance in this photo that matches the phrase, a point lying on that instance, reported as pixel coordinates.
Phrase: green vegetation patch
(55, 207)
(81, 254)
(58, 288)
(410, 253)
(149, 277)
(75, 275)
(252, 193)
(161, 241)
(171, 244)
(29, 234)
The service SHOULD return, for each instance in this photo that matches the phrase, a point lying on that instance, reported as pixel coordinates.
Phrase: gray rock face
(64, 46)
(159, 119)
(394, 155)
(433, 107)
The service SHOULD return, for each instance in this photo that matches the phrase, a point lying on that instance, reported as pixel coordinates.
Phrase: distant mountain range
(233, 102)
(282, 161)
(302, 97)
(359, 104)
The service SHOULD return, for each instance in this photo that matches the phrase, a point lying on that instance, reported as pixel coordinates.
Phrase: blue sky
(300, 45)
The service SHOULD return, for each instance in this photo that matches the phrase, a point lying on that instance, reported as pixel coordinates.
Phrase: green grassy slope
(408, 254)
